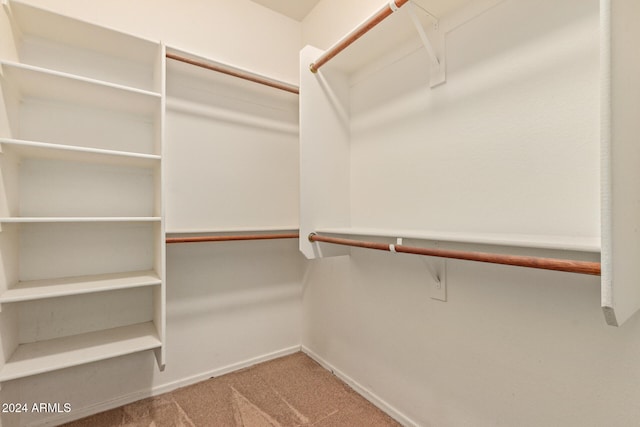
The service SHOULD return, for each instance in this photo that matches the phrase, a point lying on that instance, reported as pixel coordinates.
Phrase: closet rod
(229, 238)
(374, 20)
(231, 71)
(571, 266)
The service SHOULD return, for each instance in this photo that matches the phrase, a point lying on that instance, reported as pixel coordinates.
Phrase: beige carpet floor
(289, 391)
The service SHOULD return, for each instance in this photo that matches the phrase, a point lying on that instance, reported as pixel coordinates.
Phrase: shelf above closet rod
(364, 28)
(235, 72)
(571, 266)
(199, 239)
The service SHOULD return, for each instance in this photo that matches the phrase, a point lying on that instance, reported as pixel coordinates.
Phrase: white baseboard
(363, 391)
(161, 389)
(225, 370)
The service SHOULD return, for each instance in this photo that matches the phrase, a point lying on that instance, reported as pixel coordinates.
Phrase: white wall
(512, 347)
(500, 146)
(232, 152)
(228, 304)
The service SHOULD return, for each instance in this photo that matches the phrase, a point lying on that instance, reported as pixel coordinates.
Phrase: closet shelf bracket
(437, 269)
(438, 273)
(433, 40)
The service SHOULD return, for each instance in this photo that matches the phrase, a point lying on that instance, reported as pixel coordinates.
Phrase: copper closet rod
(380, 16)
(236, 73)
(229, 238)
(571, 266)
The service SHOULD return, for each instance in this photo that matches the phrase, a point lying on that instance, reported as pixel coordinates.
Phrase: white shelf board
(567, 243)
(24, 220)
(50, 355)
(52, 288)
(38, 82)
(79, 154)
(192, 71)
(49, 25)
(232, 230)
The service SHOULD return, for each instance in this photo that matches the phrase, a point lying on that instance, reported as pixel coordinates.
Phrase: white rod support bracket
(433, 41)
(438, 290)
(7, 8)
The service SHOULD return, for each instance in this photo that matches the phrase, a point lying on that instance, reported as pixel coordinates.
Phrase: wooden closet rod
(380, 16)
(237, 73)
(229, 238)
(581, 267)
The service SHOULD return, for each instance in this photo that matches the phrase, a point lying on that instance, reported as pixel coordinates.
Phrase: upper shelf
(230, 70)
(50, 40)
(62, 87)
(207, 88)
(234, 230)
(397, 35)
(43, 23)
(31, 219)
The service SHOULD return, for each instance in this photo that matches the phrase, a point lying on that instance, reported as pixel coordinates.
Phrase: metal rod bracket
(438, 289)
(434, 43)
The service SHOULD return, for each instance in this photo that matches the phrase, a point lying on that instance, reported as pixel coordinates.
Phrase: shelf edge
(486, 239)
(142, 331)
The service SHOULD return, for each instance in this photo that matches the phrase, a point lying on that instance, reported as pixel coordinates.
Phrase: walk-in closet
(319, 212)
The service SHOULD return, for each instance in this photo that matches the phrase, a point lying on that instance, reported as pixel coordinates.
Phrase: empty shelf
(63, 87)
(51, 288)
(22, 220)
(80, 154)
(50, 25)
(46, 356)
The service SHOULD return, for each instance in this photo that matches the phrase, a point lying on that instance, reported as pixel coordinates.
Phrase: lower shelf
(46, 356)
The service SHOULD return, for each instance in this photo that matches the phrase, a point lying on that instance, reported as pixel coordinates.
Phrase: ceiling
(296, 9)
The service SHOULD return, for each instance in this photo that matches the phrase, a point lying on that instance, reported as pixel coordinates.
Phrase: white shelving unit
(375, 134)
(82, 221)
